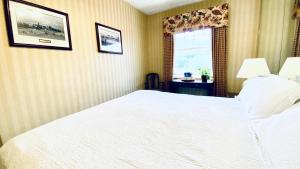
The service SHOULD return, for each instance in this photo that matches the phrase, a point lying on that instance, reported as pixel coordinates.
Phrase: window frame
(198, 76)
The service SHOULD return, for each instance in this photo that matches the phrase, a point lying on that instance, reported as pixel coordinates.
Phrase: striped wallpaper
(38, 85)
(272, 18)
(276, 36)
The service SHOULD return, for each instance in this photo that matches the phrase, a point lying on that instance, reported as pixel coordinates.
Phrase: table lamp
(291, 69)
(253, 67)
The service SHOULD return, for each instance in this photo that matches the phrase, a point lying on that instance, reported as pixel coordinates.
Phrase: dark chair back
(152, 81)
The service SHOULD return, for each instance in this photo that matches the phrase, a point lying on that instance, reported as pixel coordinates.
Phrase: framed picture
(109, 39)
(32, 25)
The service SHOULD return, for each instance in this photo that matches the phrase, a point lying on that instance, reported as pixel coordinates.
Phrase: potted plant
(205, 74)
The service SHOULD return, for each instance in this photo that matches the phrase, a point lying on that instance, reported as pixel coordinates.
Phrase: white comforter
(145, 130)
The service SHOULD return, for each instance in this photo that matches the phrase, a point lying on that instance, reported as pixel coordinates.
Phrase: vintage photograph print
(109, 39)
(32, 25)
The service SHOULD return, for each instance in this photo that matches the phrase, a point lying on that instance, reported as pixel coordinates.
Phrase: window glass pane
(192, 50)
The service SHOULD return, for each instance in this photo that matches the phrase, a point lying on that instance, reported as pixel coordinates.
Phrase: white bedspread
(145, 130)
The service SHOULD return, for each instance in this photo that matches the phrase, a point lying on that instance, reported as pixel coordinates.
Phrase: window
(192, 51)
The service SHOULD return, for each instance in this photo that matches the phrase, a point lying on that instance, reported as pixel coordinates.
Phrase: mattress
(144, 130)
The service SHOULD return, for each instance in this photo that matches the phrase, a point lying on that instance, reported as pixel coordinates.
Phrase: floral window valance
(216, 16)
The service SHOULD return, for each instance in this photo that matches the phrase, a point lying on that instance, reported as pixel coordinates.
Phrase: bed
(145, 130)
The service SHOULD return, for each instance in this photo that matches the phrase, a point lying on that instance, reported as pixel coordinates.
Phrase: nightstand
(232, 95)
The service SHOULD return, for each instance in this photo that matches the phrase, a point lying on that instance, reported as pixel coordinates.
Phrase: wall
(272, 18)
(38, 85)
(276, 36)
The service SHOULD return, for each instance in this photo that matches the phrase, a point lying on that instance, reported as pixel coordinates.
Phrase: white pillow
(265, 96)
(279, 138)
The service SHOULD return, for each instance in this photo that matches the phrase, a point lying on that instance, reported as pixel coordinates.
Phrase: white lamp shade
(291, 68)
(253, 67)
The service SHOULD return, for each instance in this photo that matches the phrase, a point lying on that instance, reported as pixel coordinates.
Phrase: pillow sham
(268, 95)
(279, 138)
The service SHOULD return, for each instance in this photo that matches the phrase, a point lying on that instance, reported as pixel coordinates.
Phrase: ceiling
(150, 7)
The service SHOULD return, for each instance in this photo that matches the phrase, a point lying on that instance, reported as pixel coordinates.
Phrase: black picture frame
(10, 32)
(99, 42)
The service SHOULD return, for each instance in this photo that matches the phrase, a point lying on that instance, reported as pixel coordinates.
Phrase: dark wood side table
(232, 95)
(208, 86)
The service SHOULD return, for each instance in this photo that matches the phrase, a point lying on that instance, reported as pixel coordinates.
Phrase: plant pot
(204, 78)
